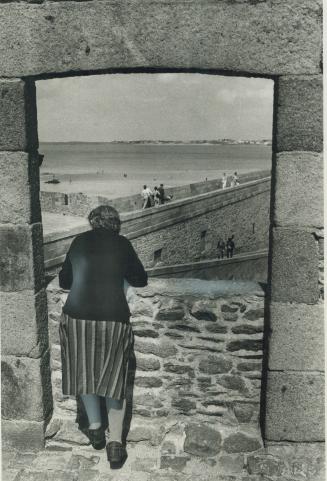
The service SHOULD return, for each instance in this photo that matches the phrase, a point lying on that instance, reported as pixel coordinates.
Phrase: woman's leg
(116, 413)
(92, 407)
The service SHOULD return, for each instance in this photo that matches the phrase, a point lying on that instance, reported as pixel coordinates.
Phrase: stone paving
(82, 463)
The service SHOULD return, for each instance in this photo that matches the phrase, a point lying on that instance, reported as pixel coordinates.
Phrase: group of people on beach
(233, 183)
(228, 246)
(155, 198)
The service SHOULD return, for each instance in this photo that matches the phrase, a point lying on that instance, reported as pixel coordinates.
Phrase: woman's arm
(66, 274)
(135, 274)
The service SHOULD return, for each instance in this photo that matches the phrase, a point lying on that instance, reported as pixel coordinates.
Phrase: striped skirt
(94, 356)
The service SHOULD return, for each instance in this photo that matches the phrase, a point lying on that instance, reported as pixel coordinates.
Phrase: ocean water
(121, 169)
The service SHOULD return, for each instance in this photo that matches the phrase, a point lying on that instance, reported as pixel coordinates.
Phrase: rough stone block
(164, 349)
(295, 265)
(297, 337)
(176, 463)
(299, 113)
(21, 257)
(148, 381)
(287, 390)
(18, 120)
(147, 363)
(299, 189)
(215, 364)
(246, 344)
(26, 388)
(262, 37)
(254, 314)
(203, 311)
(265, 465)
(241, 443)
(202, 440)
(22, 435)
(243, 411)
(24, 329)
(19, 194)
(234, 382)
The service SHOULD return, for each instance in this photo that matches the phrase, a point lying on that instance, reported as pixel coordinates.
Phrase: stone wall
(246, 267)
(80, 204)
(194, 387)
(243, 212)
(176, 228)
(193, 390)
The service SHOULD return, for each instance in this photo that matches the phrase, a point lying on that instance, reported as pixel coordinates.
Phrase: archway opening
(198, 356)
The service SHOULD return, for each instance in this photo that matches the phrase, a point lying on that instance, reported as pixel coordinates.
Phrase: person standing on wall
(235, 180)
(146, 195)
(156, 196)
(221, 248)
(230, 246)
(95, 332)
(162, 194)
(224, 181)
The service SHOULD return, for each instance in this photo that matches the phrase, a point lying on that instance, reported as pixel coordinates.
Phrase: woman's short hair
(105, 216)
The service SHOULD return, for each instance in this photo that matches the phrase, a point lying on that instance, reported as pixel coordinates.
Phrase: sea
(121, 169)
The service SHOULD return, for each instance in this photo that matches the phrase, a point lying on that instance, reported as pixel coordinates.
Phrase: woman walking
(95, 333)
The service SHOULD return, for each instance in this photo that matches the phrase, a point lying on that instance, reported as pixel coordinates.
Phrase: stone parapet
(195, 374)
(216, 213)
(80, 204)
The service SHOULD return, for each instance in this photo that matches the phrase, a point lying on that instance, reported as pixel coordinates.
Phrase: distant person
(230, 246)
(156, 196)
(146, 195)
(235, 180)
(221, 248)
(224, 181)
(162, 193)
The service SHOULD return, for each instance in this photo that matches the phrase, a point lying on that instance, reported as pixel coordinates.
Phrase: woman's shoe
(116, 454)
(97, 438)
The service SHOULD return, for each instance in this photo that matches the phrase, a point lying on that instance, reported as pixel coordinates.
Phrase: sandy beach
(121, 170)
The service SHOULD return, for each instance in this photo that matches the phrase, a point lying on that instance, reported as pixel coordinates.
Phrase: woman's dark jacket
(94, 270)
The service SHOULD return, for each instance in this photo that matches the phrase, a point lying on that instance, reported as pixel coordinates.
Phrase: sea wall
(187, 230)
(80, 204)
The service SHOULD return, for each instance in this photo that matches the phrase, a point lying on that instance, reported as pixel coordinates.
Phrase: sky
(169, 106)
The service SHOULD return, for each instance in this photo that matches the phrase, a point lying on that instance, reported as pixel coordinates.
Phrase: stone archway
(281, 41)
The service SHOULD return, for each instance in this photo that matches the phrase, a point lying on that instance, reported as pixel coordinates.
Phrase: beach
(118, 170)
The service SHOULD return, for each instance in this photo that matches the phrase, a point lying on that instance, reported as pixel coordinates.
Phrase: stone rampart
(187, 230)
(80, 204)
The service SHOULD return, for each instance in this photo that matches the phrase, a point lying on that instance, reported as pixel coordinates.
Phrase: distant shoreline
(172, 142)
